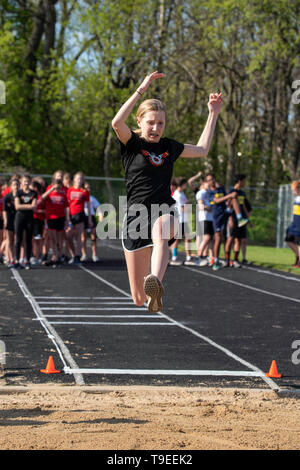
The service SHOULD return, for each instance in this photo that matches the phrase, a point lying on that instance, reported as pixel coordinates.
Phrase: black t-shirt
(148, 169)
(9, 205)
(26, 198)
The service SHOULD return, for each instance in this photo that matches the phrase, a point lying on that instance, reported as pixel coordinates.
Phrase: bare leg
(138, 267)
(163, 229)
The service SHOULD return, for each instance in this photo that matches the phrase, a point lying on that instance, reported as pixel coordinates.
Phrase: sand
(51, 417)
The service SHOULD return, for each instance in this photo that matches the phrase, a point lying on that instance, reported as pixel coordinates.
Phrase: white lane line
(110, 323)
(86, 298)
(61, 308)
(99, 316)
(246, 286)
(89, 303)
(282, 276)
(222, 373)
(62, 350)
(269, 381)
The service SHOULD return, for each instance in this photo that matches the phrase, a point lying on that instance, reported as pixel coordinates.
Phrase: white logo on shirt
(155, 160)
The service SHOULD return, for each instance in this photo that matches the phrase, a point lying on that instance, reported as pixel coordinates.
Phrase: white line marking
(62, 350)
(109, 323)
(222, 373)
(94, 308)
(87, 298)
(100, 316)
(246, 286)
(89, 303)
(289, 278)
(269, 381)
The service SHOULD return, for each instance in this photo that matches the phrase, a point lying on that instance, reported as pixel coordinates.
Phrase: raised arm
(119, 121)
(203, 145)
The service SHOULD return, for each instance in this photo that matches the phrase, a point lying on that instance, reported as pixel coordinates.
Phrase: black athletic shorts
(86, 222)
(38, 227)
(292, 238)
(10, 226)
(238, 232)
(56, 224)
(78, 218)
(137, 229)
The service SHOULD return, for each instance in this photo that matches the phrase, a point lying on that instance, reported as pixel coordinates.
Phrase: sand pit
(146, 418)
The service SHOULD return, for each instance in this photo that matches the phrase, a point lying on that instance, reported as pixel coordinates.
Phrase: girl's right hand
(148, 79)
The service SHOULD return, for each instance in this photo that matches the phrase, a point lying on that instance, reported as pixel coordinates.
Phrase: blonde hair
(146, 106)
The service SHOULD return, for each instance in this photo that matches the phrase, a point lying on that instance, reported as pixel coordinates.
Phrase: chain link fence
(271, 208)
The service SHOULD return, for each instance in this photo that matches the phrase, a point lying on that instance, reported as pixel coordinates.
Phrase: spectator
(38, 224)
(237, 234)
(57, 217)
(77, 196)
(94, 209)
(184, 229)
(204, 224)
(25, 203)
(293, 231)
(9, 213)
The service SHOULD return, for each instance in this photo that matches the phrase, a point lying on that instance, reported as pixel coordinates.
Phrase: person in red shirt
(38, 223)
(77, 197)
(57, 217)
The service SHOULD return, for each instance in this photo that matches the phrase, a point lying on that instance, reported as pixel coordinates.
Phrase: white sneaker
(191, 262)
(84, 258)
(95, 258)
(203, 262)
(71, 260)
(236, 264)
(175, 262)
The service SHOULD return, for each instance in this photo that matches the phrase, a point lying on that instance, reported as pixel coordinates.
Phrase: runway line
(246, 286)
(62, 349)
(255, 369)
(222, 373)
(282, 276)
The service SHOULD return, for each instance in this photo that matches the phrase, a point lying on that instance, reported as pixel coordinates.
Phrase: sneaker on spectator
(84, 258)
(11, 265)
(236, 264)
(95, 258)
(245, 262)
(191, 262)
(203, 262)
(27, 265)
(175, 262)
(242, 222)
(216, 266)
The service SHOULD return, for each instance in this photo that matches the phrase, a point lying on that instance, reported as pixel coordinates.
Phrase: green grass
(266, 256)
(276, 258)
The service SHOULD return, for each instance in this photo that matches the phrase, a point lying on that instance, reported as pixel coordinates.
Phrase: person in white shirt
(204, 224)
(94, 208)
(184, 229)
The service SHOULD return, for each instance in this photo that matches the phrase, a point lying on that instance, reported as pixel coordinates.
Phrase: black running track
(217, 329)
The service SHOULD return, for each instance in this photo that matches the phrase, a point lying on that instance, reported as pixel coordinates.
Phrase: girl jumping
(148, 160)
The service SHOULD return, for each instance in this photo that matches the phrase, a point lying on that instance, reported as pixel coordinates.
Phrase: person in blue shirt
(293, 231)
(222, 206)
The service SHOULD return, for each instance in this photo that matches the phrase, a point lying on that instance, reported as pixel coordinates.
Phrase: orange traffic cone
(273, 372)
(50, 368)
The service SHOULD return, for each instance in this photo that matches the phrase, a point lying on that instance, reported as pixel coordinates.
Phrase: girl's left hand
(215, 102)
